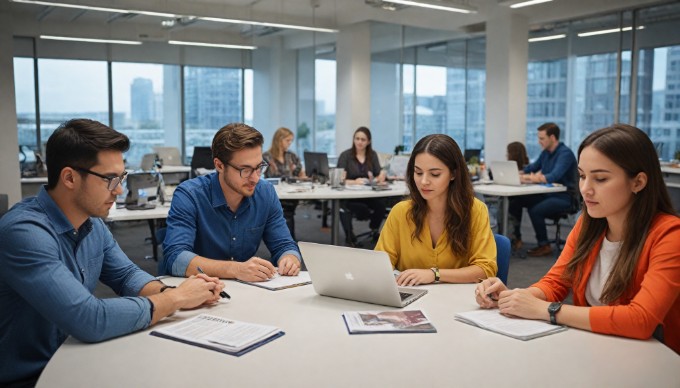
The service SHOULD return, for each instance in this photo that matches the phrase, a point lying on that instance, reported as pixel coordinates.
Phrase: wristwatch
(552, 310)
(435, 271)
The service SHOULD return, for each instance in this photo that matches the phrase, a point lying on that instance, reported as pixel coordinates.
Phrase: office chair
(4, 204)
(502, 256)
(202, 158)
(566, 216)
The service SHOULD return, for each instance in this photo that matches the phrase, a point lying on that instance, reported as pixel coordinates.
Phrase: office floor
(131, 238)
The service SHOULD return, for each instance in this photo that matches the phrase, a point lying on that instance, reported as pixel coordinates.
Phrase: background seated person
(284, 164)
(55, 249)
(556, 164)
(217, 221)
(362, 166)
(622, 260)
(516, 152)
(442, 232)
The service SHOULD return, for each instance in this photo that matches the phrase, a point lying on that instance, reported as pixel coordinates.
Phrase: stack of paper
(493, 320)
(221, 334)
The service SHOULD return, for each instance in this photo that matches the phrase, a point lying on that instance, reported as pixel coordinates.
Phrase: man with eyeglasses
(55, 248)
(216, 221)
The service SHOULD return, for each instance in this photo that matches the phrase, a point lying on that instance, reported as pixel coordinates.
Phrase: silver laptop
(355, 274)
(506, 173)
(169, 155)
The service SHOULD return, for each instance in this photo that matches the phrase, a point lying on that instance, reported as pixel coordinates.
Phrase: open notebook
(493, 320)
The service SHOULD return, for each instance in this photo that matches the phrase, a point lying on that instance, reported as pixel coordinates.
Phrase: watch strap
(553, 308)
(435, 271)
(165, 287)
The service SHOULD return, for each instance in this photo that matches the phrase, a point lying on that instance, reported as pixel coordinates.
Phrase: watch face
(554, 307)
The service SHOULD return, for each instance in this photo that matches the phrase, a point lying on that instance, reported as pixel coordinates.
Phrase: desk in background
(671, 175)
(505, 192)
(160, 212)
(317, 351)
(324, 192)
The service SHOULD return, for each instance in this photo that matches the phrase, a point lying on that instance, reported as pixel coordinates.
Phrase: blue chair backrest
(502, 256)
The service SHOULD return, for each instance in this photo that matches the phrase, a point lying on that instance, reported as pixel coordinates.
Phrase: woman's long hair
(518, 154)
(369, 147)
(632, 150)
(276, 151)
(460, 195)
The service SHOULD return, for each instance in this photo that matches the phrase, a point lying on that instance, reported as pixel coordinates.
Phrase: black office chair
(202, 158)
(360, 212)
(4, 204)
(557, 219)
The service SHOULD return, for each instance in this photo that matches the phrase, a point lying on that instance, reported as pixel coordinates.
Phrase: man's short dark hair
(77, 143)
(235, 137)
(551, 129)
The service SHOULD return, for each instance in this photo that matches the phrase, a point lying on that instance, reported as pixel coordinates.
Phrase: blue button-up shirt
(201, 224)
(558, 166)
(48, 271)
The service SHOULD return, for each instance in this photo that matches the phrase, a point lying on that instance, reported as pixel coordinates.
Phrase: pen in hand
(223, 294)
(490, 296)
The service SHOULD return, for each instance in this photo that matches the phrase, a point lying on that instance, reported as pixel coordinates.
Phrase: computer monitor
(316, 165)
(146, 182)
(169, 156)
(472, 153)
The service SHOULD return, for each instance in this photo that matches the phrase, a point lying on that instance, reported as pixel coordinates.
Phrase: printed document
(217, 333)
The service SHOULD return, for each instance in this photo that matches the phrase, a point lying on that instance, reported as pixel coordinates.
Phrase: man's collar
(54, 212)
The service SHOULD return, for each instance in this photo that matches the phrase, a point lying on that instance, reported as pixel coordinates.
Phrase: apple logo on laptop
(349, 276)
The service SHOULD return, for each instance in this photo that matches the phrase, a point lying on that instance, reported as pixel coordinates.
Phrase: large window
(316, 90)
(24, 86)
(71, 89)
(594, 76)
(143, 108)
(421, 89)
(212, 99)
(146, 101)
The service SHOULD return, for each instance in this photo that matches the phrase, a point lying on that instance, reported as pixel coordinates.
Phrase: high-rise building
(142, 102)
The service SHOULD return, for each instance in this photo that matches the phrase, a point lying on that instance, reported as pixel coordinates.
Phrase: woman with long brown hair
(622, 259)
(442, 233)
(517, 153)
(284, 164)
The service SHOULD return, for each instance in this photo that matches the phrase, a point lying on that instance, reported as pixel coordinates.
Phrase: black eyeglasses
(114, 181)
(247, 172)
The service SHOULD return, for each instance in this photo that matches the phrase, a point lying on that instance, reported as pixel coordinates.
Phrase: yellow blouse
(405, 253)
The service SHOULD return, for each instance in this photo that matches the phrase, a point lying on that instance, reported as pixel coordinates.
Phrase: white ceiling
(31, 20)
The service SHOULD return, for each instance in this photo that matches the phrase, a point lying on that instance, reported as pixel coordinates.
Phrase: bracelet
(435, 271)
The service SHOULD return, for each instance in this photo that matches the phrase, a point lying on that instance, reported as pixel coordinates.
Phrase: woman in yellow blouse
(442, 232)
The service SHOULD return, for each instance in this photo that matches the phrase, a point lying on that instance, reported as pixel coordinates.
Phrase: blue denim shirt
(48, 271)
(558, 166)
(200, 223)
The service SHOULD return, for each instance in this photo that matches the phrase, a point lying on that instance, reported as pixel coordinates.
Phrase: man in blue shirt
(217, 221)
(556, 164)
(54, 248)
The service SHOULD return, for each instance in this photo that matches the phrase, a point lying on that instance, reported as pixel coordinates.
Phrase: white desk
(505, 192)
(317, 352)
(324, 192)
(160, 212)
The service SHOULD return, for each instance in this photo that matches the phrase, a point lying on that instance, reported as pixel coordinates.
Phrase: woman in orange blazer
(621, 260)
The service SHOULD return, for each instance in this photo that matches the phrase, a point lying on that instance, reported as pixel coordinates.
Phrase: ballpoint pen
(223, 293)
(490, 296)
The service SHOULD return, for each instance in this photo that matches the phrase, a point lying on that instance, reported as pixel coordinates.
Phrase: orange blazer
(652, 298)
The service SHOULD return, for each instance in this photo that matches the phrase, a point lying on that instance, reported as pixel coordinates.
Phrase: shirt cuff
(179, 267)
(291, 252)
